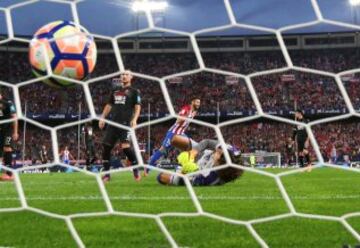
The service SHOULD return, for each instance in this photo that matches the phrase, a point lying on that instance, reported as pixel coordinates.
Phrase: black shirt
(299, 132)
(123, 101)
(88, 134)
(7, 108)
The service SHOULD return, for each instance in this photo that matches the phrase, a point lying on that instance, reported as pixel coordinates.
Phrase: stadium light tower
(354, 2)
(150, 5)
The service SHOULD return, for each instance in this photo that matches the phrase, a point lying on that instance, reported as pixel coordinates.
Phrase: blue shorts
(210, 180)
(167, 140)
(66, 161)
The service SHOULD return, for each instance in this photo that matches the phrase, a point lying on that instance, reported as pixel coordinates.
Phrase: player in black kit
(124, 106)
(302, 140)
(88, 141)
(43, 155)
(8, 134)
(289, 151)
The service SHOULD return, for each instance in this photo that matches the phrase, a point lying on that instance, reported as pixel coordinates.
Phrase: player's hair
(230, 174)
(299, 111)
(195, 98)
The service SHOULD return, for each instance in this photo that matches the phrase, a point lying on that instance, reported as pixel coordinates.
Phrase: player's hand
(187, 163)
(133, 124)
(15, 136)
(101, 124)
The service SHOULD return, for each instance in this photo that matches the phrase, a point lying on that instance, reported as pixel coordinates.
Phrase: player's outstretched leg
(106, 161)
(154, 158)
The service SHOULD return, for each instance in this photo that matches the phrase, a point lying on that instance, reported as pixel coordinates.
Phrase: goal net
(245, 82)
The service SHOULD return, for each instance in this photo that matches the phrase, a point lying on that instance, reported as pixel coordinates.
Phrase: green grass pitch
(323, 191)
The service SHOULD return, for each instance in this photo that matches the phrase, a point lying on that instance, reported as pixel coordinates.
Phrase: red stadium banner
(231, 80)
(287, 78)
(176, 80)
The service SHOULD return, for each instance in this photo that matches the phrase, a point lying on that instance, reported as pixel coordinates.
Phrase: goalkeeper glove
(187, 163)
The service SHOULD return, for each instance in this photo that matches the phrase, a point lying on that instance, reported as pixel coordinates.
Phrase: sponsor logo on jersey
(120, 97)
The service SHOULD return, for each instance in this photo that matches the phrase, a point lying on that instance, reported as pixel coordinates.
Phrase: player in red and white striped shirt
(179, 128)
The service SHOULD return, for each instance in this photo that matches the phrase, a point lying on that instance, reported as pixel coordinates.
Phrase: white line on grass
(177, 198)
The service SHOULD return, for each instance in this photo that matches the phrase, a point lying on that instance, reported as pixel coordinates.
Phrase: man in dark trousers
(8, 134)
(124, 106)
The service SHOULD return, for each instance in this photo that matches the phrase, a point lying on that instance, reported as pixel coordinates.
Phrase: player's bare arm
(104, 114)
(133, 122)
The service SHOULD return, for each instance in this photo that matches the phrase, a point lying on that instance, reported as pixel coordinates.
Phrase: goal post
(261, 159)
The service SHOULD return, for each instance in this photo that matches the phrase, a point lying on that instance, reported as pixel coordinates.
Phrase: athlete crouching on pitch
(206, 154)
(124, 105)
(8, 134)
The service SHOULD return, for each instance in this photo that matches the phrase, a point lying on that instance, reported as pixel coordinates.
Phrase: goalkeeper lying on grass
(206, 154)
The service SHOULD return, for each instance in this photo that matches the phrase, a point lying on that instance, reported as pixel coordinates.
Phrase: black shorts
(301, 145)
(5, 136)
(114, 134)
(90, 148)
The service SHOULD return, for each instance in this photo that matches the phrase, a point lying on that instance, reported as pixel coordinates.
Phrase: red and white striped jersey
(180, 126)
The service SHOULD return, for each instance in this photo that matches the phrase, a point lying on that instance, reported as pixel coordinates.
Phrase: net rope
(249, 224)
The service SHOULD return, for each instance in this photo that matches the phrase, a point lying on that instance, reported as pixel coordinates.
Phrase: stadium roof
(112, 17)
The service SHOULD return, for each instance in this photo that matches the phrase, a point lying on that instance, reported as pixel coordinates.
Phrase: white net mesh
(292, 212)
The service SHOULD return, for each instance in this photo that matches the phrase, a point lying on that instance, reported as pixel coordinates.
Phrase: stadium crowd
(339, 141)
(276, 92)
(313, 91)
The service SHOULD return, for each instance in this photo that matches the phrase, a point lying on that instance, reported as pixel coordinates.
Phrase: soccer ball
(71, 52)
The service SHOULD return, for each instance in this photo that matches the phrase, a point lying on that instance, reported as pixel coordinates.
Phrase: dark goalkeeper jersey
(123, 101)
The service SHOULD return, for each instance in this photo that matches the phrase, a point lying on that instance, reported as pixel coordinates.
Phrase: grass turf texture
(252, 196)
(63, 193)
(120, 231)
(27, 229)
(208, 233)
(324, 191)
(9, 195)
(147, 196)
(301, 232)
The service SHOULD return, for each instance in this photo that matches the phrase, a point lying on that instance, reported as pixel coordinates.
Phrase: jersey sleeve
(12, 108)
(110, 99)
(137, 97)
